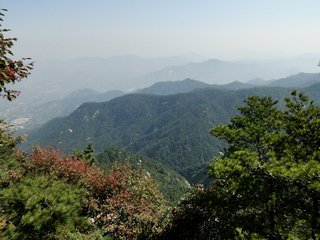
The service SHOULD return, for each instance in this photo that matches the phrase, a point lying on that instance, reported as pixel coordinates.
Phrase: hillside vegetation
(46, 195)
(171, 129)
(170, 183)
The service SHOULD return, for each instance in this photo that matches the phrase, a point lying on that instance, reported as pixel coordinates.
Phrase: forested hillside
(171, 129)
(170, 183)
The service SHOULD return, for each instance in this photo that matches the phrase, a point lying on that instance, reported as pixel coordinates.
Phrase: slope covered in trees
(172, 129)
(265, 186)
(170, 183)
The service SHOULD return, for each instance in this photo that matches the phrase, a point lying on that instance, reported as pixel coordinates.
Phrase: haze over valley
(53, 81)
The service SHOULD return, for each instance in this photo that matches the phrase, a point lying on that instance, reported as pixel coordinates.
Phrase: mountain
(171, 184)
(188, 85)
(211, 71)
(174, 87)
(299, 80)
(313, 91)
(29, 116)
(172, 129)
(257, 82)
(214, 71)
(236, 85)
(55, 79)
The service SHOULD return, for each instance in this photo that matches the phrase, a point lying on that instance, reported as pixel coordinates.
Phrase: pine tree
(273, 163)
(87, 154)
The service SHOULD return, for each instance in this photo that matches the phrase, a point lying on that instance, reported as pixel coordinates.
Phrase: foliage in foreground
(40, 206)
(51, 196)
(266, 185)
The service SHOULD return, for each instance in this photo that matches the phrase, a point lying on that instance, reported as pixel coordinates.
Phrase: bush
(40, 207)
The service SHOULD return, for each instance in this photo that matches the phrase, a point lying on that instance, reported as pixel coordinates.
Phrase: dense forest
(263, 181)
(172, 129)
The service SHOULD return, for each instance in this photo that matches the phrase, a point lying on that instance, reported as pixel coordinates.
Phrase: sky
(225, 29)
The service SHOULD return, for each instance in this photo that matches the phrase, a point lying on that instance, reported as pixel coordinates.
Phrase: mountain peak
(174, 87)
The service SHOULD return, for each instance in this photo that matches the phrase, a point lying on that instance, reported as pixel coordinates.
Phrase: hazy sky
(226, 29)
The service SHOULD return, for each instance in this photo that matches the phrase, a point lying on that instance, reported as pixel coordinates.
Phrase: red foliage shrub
(121, 201)
(72, 169)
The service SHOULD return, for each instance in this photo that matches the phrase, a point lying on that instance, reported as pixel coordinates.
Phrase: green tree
(266, 183)
(11, 71)
(87, 154)
(273, 164)
(41, 208)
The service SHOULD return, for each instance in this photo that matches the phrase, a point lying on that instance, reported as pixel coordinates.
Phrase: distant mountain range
(188, 85)
(28, 116)
(168, 121)
(214, 71)
(300, 80)
(54, 79)
(296, 81)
